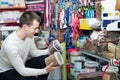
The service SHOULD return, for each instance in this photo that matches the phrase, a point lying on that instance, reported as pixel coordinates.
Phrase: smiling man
(19, 57)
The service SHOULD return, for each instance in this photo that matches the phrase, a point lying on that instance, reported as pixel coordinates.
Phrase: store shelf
(95, 56)
(8, 28)
(12, 8)
(34, 2)
(10, 21)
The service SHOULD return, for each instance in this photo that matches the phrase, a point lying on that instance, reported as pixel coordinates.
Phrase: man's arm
(35, 52)
(17, 63)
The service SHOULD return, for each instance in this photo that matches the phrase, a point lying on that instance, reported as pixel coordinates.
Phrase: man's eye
(36, 28)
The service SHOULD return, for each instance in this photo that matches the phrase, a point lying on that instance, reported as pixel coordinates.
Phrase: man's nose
(37, 30)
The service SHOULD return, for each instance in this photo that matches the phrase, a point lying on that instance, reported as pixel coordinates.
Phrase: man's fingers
(51, 64)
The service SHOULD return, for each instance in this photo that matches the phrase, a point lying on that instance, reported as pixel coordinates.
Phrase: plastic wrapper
(114, 49)
(56, 58)
(108, 55)
(55, 46)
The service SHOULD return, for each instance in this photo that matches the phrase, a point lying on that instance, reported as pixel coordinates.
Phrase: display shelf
(98, 57)
(12, 8)
(94, 55)
(35, 5)
(34, 2)
(10, 21)
(8, 28)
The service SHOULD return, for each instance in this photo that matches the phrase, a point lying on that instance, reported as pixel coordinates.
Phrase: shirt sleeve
(36, 52)
(17, 63)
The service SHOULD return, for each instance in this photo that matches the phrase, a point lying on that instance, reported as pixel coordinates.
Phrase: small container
(90, 66)
(75, 74)
(68, 67)
(56, 58)
(72, 70)
(79, 64)
(55, 46)
(82, 41)
(74, 56)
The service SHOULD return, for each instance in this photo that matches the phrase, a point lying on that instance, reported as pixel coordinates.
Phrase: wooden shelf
(12, 8)
(8, 28)
(10, 21)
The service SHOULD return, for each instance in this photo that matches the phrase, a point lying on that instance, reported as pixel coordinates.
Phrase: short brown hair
(28, 17)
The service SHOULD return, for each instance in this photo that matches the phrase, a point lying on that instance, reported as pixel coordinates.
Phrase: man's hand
(50, 67)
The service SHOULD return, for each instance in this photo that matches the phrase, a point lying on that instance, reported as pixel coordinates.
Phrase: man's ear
(25, 26)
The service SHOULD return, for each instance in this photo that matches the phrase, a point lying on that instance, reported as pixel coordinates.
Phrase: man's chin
(30, 36)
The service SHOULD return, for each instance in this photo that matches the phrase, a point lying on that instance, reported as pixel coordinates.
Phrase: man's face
(31, 30)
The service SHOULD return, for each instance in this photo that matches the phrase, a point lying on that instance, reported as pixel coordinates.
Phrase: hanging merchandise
(98, 9)
(68, 4)
(60, 36)
(85, 3)
(75, 25)
(51, 38)
(61, 18)
(55, 20)
(62, 21)
(87, 8)
(63, 14)
(67, 39)
(66, 36)
(69, 12)
(47, 3)
(49, 12)
(61, 3)
(46, 13)
(88, 11)
(65, 21)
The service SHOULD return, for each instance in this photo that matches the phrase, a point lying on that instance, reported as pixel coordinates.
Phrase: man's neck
(21, 34)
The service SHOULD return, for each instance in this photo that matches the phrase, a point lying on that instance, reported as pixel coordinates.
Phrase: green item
(64, 72)
(78, 43)
(43, 34)
(103, 9)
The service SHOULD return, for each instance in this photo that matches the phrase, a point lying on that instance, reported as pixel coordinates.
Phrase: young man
(19, 57)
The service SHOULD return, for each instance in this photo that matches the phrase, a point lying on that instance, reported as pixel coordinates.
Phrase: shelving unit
(99, 58)
(94, 55)
(37, 6)
(12, 8)
(8, 28)
(9, 16)
(34, 2)
(10, 21)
